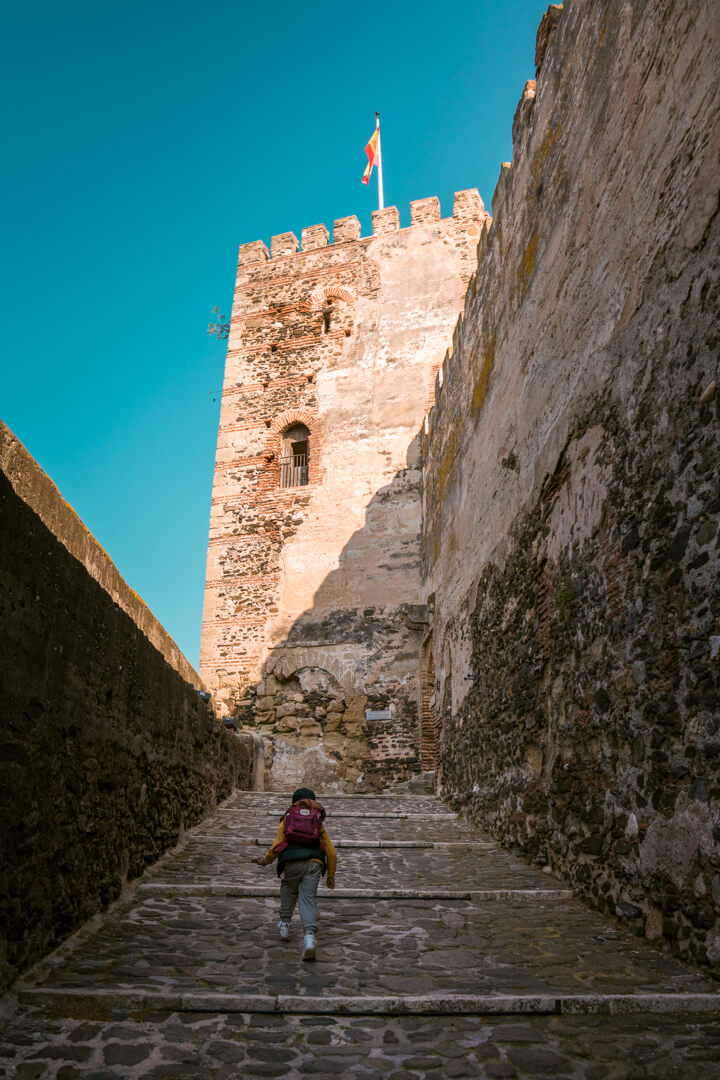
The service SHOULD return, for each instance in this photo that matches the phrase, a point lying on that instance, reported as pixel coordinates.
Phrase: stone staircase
(439, 955)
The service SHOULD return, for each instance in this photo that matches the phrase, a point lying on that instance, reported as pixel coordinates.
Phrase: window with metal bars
(295, 456)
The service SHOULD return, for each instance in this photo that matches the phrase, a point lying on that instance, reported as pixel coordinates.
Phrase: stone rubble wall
(571, 480)
(313, 612)
(107, 750)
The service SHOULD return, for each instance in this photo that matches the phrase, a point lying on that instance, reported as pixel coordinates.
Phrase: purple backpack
(303, 824)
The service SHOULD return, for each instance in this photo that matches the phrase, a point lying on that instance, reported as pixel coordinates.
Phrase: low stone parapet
(110, 746)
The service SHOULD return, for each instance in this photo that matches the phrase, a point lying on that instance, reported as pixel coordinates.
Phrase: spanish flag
(373, 152)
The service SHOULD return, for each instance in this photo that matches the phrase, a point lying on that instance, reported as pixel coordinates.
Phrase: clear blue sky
(144, 142)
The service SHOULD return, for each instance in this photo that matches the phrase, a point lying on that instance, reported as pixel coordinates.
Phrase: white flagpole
(381, 199)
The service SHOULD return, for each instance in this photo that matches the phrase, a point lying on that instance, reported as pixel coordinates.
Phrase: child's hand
(260, 861)
(331, 883)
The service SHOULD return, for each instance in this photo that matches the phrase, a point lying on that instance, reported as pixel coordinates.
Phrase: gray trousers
(299, 882)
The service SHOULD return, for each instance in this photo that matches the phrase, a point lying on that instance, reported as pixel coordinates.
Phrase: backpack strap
(278, 848)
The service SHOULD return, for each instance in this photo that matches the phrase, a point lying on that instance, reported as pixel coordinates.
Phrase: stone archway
(311, 732)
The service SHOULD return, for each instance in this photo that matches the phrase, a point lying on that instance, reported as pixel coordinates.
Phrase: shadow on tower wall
(340, 699)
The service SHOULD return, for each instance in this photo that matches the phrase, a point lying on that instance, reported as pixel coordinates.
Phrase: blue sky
(143, 143)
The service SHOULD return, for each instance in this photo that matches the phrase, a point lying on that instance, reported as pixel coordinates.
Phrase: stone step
(335, 796)
(439, 955)
(333, 804)
(170, 1044)
(182, 944)
(347, 828)
(463, 868)
(104, 1002)
(389, 815)
(265, 842)
(221, 888)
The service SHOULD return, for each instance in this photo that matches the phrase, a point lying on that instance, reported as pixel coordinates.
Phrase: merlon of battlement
(385, 221)
(467, 206)
(424, 210)
(315, 236)
(346, 228)
(254, 252)
(284, 244)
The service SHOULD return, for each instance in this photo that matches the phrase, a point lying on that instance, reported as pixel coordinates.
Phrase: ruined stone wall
(572, 483)
(106, 750)
(313, 615)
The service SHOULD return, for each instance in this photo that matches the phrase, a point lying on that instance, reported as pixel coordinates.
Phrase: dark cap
(303, 793)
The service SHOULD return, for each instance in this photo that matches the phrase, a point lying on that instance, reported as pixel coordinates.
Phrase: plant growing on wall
(563, 598)
(221, 328)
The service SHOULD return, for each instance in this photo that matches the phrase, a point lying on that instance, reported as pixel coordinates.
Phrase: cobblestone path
(439, 955)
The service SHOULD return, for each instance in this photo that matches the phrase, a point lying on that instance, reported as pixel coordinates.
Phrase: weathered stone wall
(107, 751)
(313, 616)
(572, 478)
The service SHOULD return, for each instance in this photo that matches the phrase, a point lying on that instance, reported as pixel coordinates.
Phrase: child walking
(302, 860)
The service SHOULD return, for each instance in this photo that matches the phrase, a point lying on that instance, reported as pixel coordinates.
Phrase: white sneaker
(284, 928)
(309, 947)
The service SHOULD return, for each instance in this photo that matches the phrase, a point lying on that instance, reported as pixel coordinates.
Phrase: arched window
(295, 456)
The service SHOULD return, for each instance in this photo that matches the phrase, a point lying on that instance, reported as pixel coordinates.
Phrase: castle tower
(314, 614)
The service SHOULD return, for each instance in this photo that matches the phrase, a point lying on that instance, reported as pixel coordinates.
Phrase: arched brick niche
(336, 305)
(276, 449)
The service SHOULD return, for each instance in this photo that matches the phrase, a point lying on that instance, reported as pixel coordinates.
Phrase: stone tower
(314, 610)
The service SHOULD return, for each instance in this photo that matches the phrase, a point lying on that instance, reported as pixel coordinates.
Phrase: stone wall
(108, 752)
(572, 493)
(313, 613)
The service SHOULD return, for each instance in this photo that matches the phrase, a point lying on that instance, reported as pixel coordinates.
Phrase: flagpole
(381, 199)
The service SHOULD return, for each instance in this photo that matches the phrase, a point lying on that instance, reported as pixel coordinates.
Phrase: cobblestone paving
(392, 829)
(340, 804)
(407, 868)
(377, 946)
(224, 1047)
(117, 1001)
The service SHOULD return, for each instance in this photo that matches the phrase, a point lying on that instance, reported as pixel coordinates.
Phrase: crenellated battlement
(467, 206)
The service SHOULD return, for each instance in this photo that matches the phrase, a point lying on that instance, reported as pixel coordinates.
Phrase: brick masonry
(313, 613)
